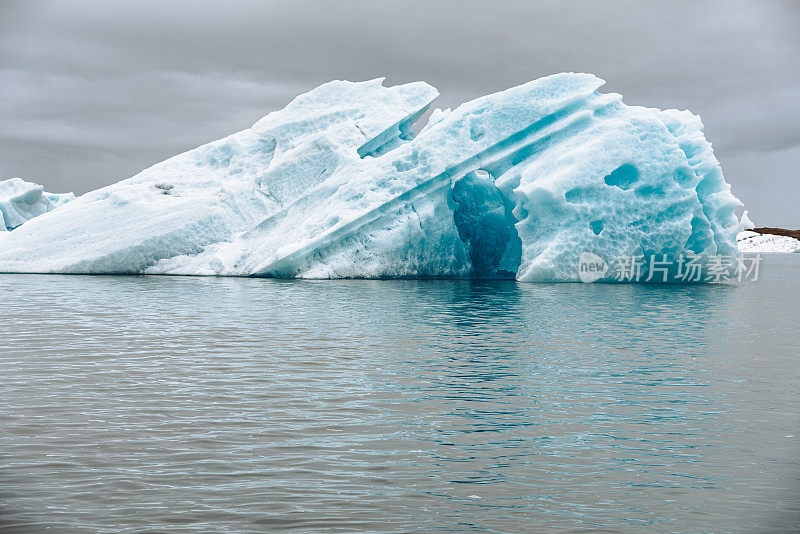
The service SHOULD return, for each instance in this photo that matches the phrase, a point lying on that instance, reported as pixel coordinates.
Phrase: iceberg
(21, 201)
(341, 183)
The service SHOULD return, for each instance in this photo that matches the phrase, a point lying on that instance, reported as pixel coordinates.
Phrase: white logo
(591, 267)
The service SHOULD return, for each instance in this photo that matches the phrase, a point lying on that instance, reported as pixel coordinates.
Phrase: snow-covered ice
(766, 243)
(21, 201)
(513, 184)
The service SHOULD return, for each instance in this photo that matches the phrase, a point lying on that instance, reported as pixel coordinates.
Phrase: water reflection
(197, 404)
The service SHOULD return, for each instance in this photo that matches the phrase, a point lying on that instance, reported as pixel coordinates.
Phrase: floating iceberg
(21, 201)
(337, 184)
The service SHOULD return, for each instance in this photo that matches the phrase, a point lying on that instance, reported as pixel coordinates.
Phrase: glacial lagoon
(177, 404)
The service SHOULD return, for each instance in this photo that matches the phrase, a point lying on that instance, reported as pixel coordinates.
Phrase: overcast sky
(91, 92)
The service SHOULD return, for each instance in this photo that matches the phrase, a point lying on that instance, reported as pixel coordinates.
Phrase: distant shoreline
(777, 231)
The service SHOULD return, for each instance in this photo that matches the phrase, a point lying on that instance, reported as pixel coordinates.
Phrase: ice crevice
(515, 184)
(393, 136)
(485, 223)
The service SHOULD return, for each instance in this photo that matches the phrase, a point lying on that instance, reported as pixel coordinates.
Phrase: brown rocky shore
(777, 231)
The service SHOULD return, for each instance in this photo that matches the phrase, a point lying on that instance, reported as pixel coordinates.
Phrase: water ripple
(140, 404)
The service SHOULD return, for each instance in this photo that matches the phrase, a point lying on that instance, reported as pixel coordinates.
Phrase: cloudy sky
(94, 91)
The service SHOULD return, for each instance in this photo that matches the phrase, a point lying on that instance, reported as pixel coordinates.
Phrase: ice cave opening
(485, 223)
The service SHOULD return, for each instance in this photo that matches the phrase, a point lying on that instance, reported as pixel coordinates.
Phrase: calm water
(158, 404)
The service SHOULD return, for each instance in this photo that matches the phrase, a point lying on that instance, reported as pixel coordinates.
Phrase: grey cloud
(95, 91)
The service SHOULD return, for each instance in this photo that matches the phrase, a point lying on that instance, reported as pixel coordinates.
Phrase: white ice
(514, 184)
(766, 243)
(21, 201)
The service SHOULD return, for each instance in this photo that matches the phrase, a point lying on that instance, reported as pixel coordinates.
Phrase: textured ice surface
(755, 242)
(513, 184)
(21, 201)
